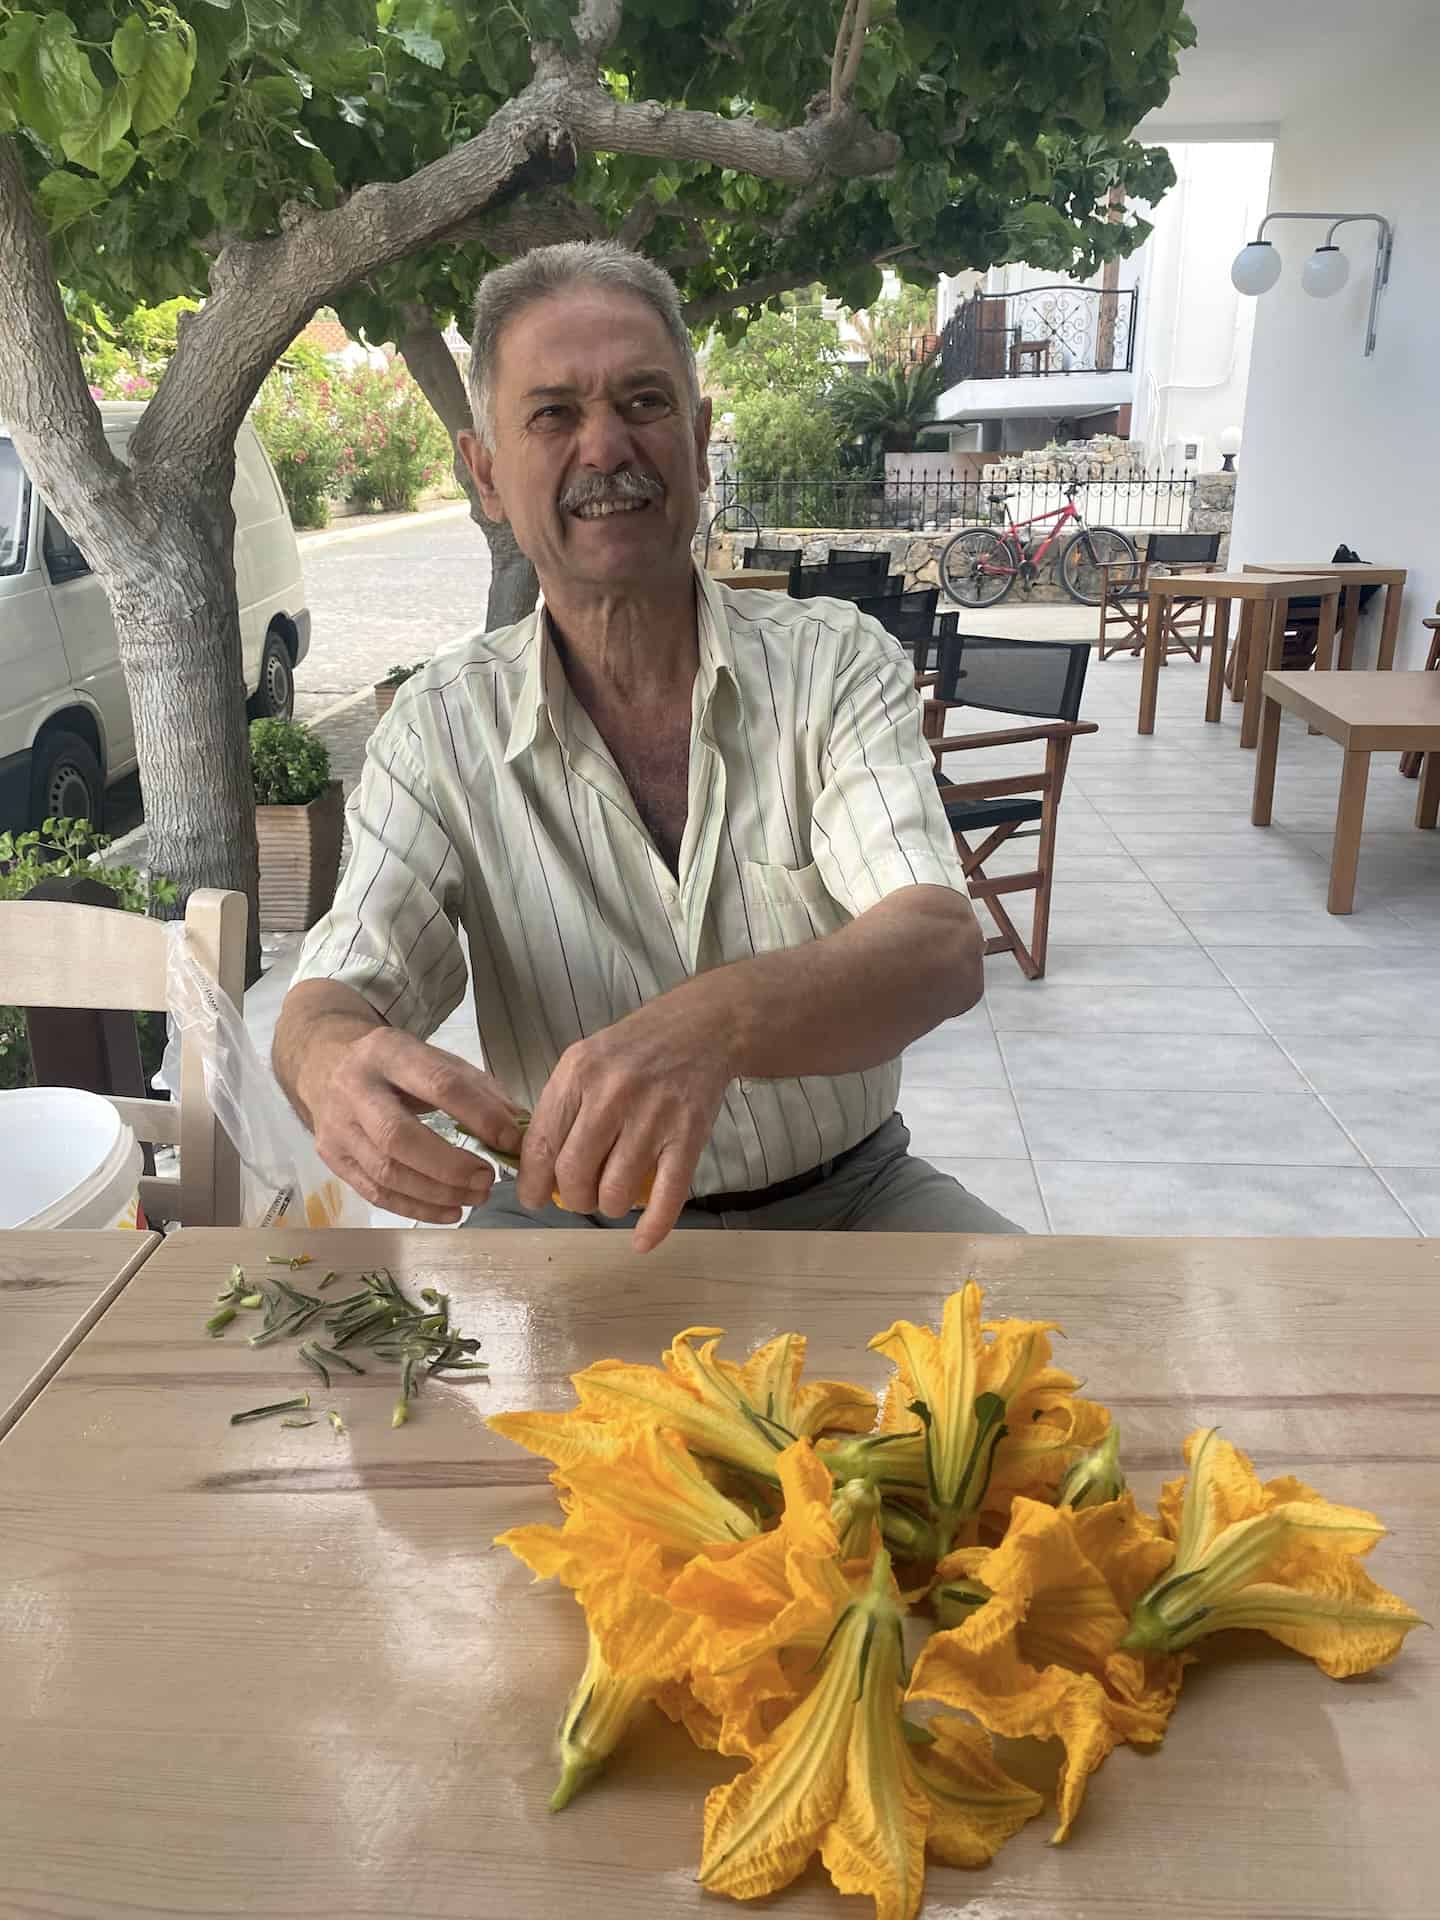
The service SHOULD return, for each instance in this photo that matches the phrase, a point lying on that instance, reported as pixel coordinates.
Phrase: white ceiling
(1255, 63)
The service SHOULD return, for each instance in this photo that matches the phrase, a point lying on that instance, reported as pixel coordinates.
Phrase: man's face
(598, 463)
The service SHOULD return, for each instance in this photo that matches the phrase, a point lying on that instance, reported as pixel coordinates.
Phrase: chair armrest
(1009, 736)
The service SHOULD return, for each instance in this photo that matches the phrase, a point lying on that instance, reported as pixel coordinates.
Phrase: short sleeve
(391, 934)
(878, 823)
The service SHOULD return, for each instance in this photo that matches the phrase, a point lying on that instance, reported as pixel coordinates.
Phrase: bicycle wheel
(978, 567)
(1087, 553)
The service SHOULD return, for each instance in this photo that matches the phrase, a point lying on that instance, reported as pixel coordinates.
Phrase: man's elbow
(965, 944)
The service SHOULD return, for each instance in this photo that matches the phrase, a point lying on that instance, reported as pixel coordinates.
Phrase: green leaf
(127, 49)
(117, 163)
(16, 41)
(420, 45)
(277, 90)
(352, 109)
(59, 93)
(89, 144)
(67, 197)
(164, 80)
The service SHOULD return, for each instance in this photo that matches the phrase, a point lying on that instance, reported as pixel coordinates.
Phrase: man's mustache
(604, 489)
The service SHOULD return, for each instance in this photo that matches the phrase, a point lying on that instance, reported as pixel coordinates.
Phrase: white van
(65, 727)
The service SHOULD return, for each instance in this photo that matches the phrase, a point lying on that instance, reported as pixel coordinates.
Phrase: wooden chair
(892, 608)
(57, 954)
(1042, 680)
(1410, 763)
(770, 559)
(843, 582)
(1123, 602)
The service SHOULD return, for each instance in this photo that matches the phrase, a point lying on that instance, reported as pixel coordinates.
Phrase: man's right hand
(361, 1084)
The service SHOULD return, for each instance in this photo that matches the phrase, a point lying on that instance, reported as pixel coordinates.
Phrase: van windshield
(14, 508)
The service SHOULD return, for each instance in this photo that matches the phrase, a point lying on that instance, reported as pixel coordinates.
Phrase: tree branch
(765, 287)
(596, 24)
(849, 45)
(638, 221)
(44, 395)
(262, 292)
(539, 220)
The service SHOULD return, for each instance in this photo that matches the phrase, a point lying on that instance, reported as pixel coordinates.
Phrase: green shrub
(394, 440)
(397, 676)
(289, 764)
(61, 850)
(297, 418)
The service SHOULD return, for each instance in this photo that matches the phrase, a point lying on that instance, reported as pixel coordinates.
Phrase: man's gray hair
(548, 270)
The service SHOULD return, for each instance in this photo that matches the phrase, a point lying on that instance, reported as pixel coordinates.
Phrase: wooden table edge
(1274, 586)
(48, 1368)
(1291, 692)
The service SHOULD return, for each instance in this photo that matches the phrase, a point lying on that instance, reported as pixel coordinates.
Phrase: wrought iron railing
(1041, 330)
(923, 502)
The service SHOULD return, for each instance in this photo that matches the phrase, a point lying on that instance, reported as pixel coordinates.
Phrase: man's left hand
(634, 1101)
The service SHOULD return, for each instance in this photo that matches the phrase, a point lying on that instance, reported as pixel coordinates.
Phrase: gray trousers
(882, 1189)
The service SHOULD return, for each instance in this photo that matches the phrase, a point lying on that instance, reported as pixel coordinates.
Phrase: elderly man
(692, 836)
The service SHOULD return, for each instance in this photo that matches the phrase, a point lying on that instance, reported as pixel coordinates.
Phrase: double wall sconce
(1257, 267)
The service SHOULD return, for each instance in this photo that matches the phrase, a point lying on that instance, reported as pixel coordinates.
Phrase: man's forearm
(850, 1001)
(317, 1015)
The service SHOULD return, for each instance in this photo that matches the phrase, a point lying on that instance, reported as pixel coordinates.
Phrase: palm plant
(888, 409)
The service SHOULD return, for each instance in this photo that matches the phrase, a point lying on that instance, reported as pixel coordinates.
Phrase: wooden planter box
(384, 700)
(299, 860)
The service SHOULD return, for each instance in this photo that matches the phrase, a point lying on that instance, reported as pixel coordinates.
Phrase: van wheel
(274, 698)
(65, 781)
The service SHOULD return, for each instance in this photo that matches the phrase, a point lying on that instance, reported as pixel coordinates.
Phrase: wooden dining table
(1353, 576)
(771, 578)
(1363, 713)
(1263, 600)
(259, 1671)
(53, 1288)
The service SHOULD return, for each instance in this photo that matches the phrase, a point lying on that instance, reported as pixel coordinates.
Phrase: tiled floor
(1211, 1052)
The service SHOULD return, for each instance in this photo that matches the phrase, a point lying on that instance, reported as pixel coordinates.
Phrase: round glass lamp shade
(1229, 442)
(1256, 268)
(1325, 272)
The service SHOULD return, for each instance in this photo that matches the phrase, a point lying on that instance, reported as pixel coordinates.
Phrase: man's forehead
(582, 334)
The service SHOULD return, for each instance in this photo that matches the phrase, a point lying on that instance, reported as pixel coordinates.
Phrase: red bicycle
(980, 566)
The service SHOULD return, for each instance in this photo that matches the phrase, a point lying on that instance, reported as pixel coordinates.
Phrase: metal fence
(922, 502)
(1040, 330)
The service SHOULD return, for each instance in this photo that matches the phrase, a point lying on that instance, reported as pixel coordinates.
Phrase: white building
(1160, 358)
(1337, 445)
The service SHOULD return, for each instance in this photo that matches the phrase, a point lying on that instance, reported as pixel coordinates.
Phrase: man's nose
(605, 442)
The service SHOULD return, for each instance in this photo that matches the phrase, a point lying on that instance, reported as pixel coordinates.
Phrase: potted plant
(386, 689)
(299, 820)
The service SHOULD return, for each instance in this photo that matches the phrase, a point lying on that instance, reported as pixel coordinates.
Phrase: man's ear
(702, 442)
(481, 462)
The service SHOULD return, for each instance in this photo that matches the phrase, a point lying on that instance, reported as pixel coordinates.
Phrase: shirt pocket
(788, 906)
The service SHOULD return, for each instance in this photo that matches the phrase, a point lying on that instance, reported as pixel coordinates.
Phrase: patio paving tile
(1009, 1186)
(1418, 1191)
(1085, 1197)
(947, 1123)
(961, 1054)
(1109, 1010)
(1369, 1062)
(1396, 1128)
(1222, 1129)
(1149, 1062)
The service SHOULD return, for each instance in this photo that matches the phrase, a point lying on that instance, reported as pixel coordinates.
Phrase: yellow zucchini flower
(1036, 1651)
(956, 1395)
(1277, 1558)
(841, 1775)
(742, 1416)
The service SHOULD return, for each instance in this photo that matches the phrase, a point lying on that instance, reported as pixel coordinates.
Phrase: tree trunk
(513, 586)
(177, 619)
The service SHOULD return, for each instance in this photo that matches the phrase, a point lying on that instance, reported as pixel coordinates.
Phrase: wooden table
(1263, 599)
(1363, 713)
(53, 1288)
(1352, 575)
(773, 579)
(251, 1670)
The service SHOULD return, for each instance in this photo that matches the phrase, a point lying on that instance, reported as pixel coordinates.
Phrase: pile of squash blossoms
(747, 1546)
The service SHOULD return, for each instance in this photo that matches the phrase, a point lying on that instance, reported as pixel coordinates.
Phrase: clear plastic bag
(284, 1182)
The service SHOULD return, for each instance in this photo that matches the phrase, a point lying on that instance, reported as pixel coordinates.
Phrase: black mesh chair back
(927, 643)
(1042, 679)
(1183, 549)
(877, 560)
(770, 559)
(1306, 610)
(843, 583)
(912, 600)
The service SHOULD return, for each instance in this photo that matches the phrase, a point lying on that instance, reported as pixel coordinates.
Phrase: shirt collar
(717, 660)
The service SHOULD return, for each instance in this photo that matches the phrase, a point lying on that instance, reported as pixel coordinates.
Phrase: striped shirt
(490, 803)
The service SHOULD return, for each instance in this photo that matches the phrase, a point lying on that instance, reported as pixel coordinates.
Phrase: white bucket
(67, 1159)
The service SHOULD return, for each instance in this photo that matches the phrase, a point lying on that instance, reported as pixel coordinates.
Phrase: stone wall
(1212, 508)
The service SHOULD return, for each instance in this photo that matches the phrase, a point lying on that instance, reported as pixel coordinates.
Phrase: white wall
(1193, 352)
(1338, 447)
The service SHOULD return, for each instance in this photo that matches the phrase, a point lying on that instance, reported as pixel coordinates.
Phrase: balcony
(1060, 350)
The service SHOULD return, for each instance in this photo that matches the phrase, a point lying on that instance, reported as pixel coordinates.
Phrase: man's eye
(648, 403)
(549, 416)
